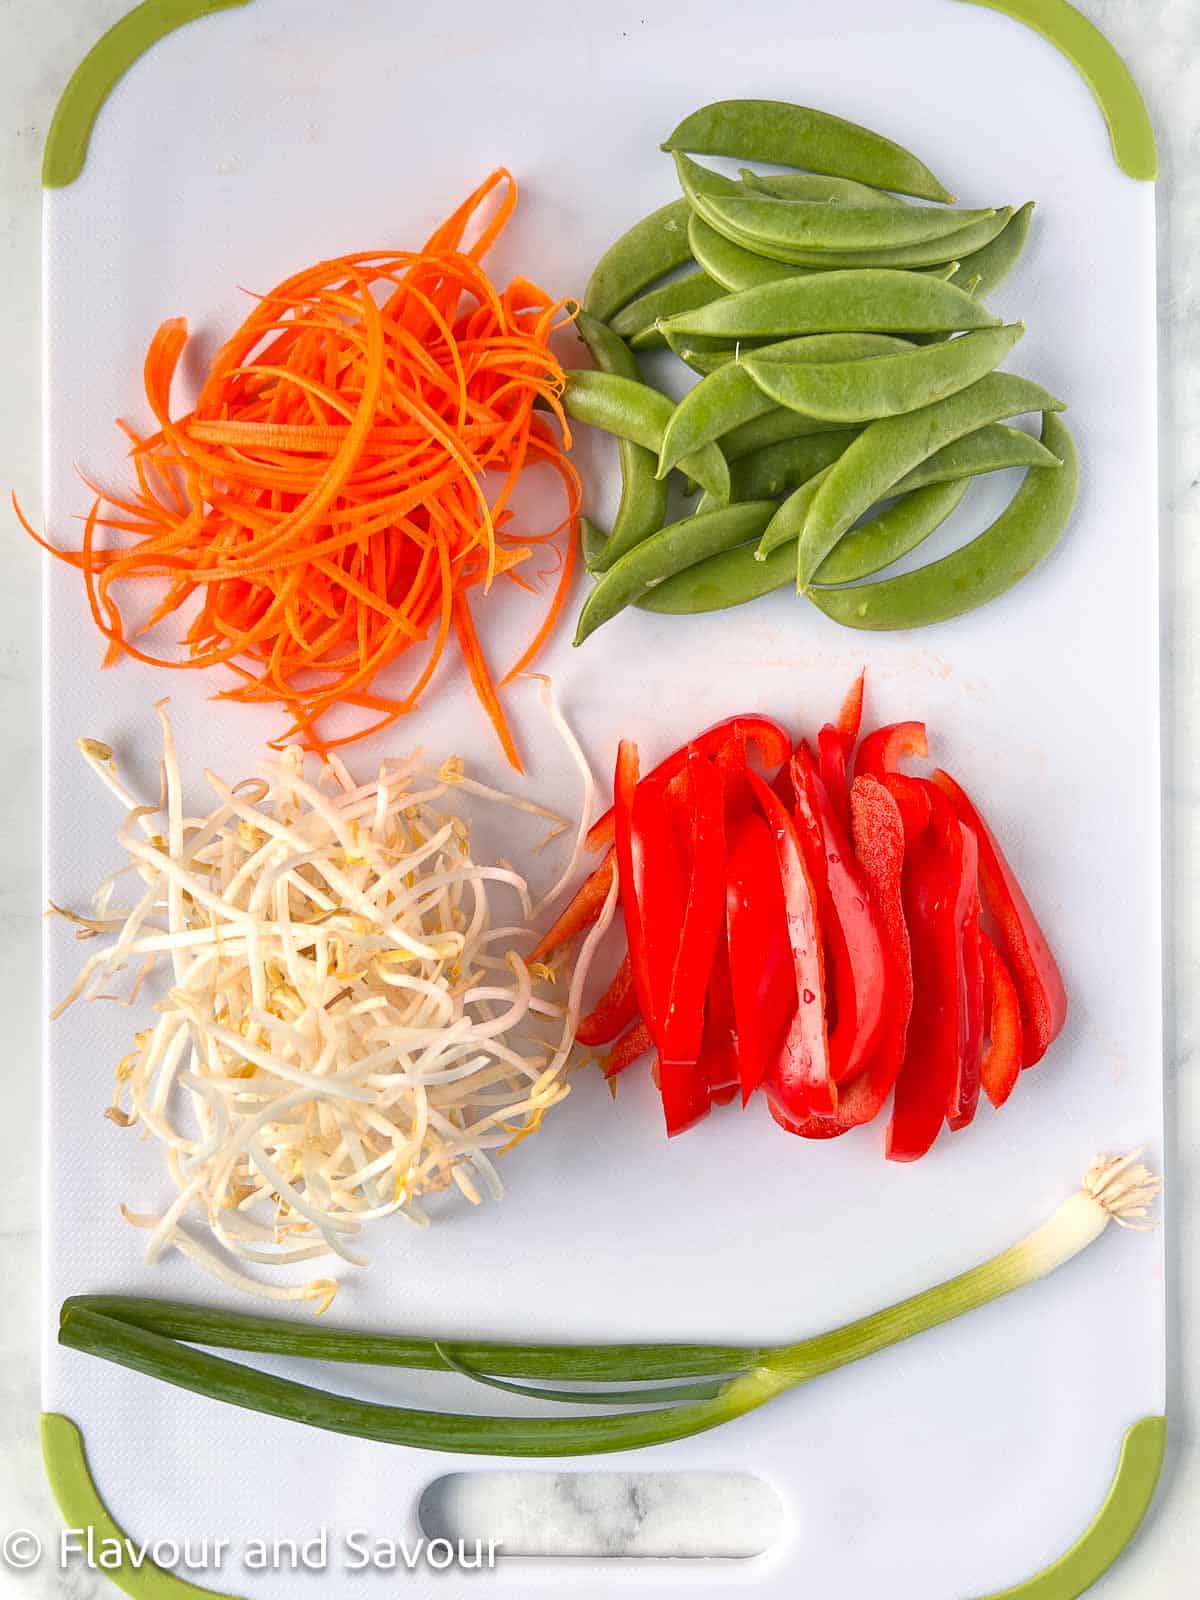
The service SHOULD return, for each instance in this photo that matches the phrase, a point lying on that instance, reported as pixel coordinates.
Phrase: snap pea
(810, 186)
(592, 542)
(924, 253)
(991, 448)
(736, 267)
(993, 263)
(734, 577)
(732, 265)
(696, 181)
(859, 390)
(786, 525)
(722, 400)
(892, 533)
(652, 247)
(884, 301)
(797, 136)
(678, 546)
(731, 395)
(638, 321)
(703, 358)
(888, 449)
(637, 412)
(730, 578)
(643, 506)
(777, 469)
(814, 225)
(1021, 537)
(774, 428)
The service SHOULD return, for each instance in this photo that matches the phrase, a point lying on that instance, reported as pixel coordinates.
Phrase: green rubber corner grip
(1104, 72)
(92, 81)
(84, 1512)
(1118, 1519)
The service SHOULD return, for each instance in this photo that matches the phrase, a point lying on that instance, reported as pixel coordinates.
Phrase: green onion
(146, 1335)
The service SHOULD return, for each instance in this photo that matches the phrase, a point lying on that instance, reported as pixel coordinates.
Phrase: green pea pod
(653, 247)
(778, 469)
(732, 265)
(881, 386)
(888, 449)
(636, 411)
(814, 225)
(638, 321)
(883, 301)
(736, 267)
(1021, 537)
(678, 546)
(731, 395)
(993, 263)
(706, 355)
(730, 578)
(892, 533)
(991, 448)
(696, 181)
(786, 526)
(776, 427)
(726, 217)
(734, 577)
(815, 186)
(592, 542)
(643, 506)
(797, 136)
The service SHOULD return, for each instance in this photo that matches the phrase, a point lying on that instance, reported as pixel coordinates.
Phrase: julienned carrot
(343, 483)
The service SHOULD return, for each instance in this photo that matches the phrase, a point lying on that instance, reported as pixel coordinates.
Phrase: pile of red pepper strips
(830, 935)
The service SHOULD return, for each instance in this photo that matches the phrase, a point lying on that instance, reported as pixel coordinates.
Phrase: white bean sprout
(346, 1025)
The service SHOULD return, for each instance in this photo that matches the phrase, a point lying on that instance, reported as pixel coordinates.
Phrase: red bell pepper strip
(660, 840)
(853, 943)
(833, 757)
(580, 914)
(630, 1047)
(1021, 941)
(630, 858)
(835, 747)
(882, 751)
(933, 887)
(762, 973)
(773, 743)
(694, 905)
(879, 847)
(800, 1081)
(849, 722)
(1001, 1065)
(965, 1096)
(879, 756)
(719, 1055)
(703, 911)
(616, 1009)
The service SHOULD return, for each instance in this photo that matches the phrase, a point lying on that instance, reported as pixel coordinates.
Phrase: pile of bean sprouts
(348, 1022)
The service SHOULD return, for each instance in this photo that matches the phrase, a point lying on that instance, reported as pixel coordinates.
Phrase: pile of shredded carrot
(343, 483)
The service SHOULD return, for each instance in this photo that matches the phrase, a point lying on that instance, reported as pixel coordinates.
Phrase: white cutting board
(257, 140)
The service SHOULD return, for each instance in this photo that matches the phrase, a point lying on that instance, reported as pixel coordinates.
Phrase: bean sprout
(345, 1027)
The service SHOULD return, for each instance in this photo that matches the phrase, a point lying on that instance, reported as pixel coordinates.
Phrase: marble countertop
(42, 44)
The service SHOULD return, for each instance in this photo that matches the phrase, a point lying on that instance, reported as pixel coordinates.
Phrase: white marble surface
(39, 45)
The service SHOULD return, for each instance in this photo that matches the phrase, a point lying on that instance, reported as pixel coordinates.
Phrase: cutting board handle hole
(648, 1515)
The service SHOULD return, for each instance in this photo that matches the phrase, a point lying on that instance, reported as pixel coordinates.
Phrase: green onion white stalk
(149, 1336)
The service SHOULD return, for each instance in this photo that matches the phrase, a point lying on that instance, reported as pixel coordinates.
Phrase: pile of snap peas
(848, 388)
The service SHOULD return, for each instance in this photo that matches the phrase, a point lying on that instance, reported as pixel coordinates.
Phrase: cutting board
(258, 140)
